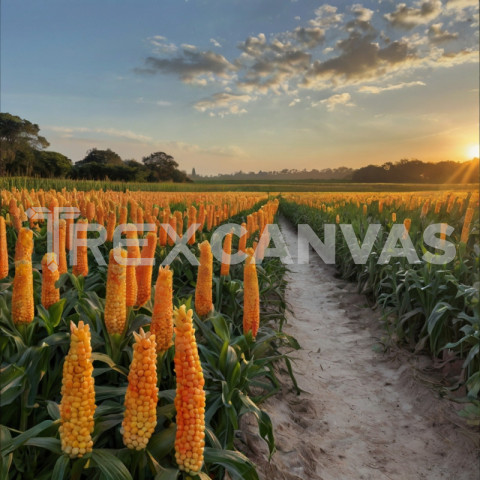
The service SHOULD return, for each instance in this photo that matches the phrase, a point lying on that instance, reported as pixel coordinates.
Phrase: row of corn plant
(432, 308)
(114, 372)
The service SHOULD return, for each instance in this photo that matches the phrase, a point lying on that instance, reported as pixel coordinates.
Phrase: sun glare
(472, 151)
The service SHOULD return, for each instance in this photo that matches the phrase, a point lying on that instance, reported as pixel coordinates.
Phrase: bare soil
(364, 414)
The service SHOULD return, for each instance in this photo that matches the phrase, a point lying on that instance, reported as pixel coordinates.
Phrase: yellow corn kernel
(77, 406)
(133, 257)
(162, 316)
(227, 251)
(50, 274)
(140, 417)
(203, 290)
(3, 249)
(23, 309)
(190, 395)
(81, 263)
(251, 296)
(115, 302)
(144, 272)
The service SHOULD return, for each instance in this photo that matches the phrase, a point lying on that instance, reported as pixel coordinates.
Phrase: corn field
(138, 371)
(127, 369)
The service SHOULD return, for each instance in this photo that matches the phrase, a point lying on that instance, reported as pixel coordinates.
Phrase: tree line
(22, 152)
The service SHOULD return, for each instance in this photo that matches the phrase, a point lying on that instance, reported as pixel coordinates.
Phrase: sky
(229, 85)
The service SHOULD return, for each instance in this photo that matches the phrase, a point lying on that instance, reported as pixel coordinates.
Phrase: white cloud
(294, 102)
(398, 86)
(215, 43)
(334, 101)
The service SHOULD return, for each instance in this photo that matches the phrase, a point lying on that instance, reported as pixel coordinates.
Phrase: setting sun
(472, 151)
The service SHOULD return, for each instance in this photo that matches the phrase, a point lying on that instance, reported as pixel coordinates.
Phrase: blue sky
(224, 85)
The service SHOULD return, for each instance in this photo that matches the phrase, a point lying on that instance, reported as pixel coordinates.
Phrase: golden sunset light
(472, 151)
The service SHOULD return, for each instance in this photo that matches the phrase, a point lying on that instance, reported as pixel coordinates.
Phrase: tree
(102, 157)
(18, 139)
(163, 168)
(52, 164)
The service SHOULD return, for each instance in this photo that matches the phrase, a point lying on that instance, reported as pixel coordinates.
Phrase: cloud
(335, 100)
(326, 16)
(215, 43)
(294, 102)
(408, 17)
(461, 4)
(160, 45)
(376, 90)
(223, 103)
(361, 58)
(309, 37)
(68, 132)
(437, 35)
(192, 66)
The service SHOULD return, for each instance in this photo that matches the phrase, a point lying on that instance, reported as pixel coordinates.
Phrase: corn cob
(203, 290)
(81, 263)
(78, 395)
(133, 257)
(62, 254)
(140, 417)
(24, 245)
(242, 242)
(466, 225)
(111, 220)
(394, 217)
(115, 302)
(123, 216)
(50, 275)
(190, 395)
(227, 250)
(192, 219)
(162, 317)
(251, 297)
(172, 232)
(23, 309)
(144, 272)
(90, 211)
(3, 249)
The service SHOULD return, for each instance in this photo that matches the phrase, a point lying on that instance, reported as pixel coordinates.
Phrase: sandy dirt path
(364, 414)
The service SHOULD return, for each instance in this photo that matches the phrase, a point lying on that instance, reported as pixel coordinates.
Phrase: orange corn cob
(162, 234)
(203, 290)
(162, 317)
(190, 395)
(115, 302)
(172, 233)
(133, 257)
(69, 231)
(23, 309)
(140, 417)
(50, 275)
(144, 272)
(81, 264)
(123, 216)
(227, 250)
(62, 254)
(3, 249)
(394, 217)
(251, 296)
(466, 225)
(242, 242)
(90, 211)
(179, 217)
(24, 245)
(78, 395)
(192, 219)
(111, 220)
(337, 218)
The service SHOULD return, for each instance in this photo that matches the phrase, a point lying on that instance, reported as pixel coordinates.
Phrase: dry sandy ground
(364, 414)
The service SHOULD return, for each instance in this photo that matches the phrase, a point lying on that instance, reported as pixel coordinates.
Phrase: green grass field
(234, 186)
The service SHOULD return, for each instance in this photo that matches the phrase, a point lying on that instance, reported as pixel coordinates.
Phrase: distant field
(234, 186)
